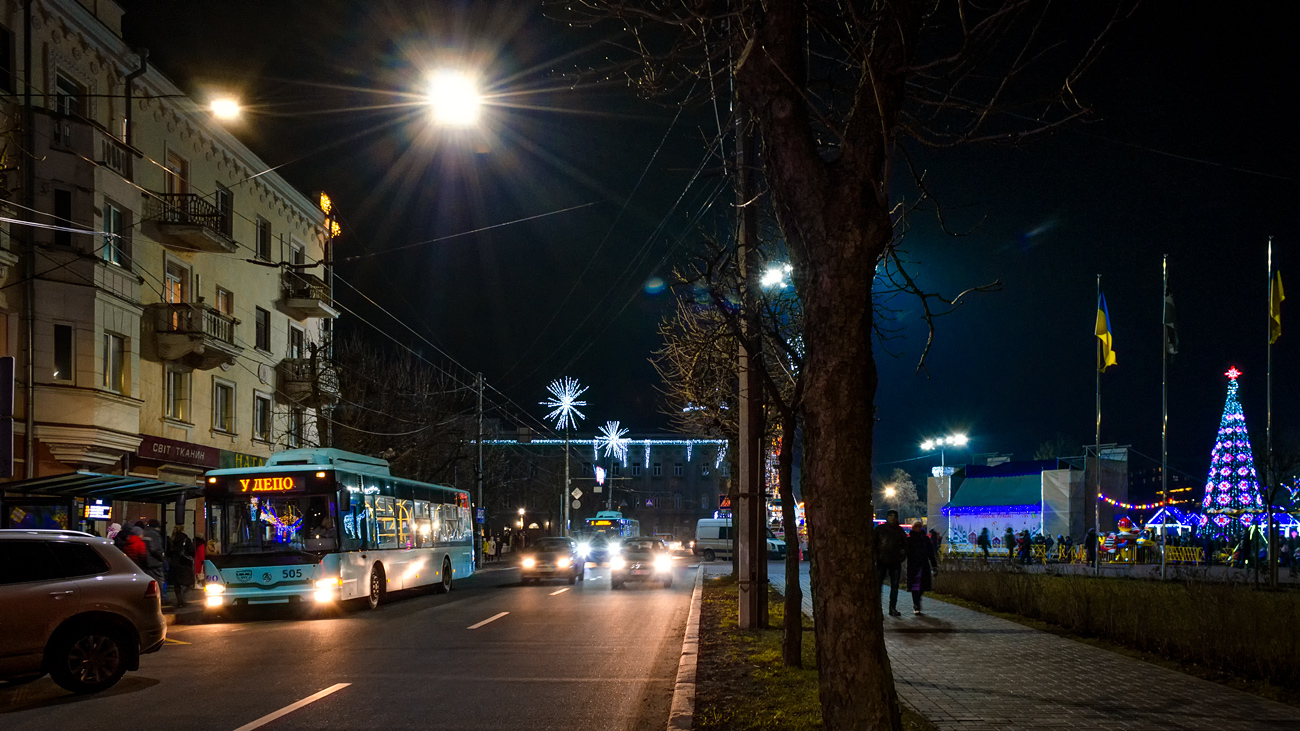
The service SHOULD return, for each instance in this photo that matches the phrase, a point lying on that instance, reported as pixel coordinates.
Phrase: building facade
(165, 295)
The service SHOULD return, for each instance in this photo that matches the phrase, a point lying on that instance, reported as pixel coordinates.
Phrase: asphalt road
(560, 657)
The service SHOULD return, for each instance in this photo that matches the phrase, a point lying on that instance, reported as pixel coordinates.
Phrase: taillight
(152, 590)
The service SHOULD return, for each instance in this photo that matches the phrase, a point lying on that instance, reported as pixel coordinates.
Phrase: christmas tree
(1232, 497)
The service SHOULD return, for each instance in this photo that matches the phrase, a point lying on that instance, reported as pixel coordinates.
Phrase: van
(713, 539)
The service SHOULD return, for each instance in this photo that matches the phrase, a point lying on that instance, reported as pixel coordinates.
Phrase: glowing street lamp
(455, 99)
(776, 276)
(224, 108)
(890, 492)
(942, 443)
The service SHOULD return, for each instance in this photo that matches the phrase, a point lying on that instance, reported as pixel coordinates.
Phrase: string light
(613, 439)
(1142, 506)
(993, 509)
(564, 402)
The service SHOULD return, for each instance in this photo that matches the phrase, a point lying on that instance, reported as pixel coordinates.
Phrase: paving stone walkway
(966, 670)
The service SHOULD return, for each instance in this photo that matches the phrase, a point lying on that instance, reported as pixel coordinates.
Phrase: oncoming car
(641, 559)
(552, 558)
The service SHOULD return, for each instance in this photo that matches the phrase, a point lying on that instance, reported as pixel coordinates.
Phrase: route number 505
(291, 573)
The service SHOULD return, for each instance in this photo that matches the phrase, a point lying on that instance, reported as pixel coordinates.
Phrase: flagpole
(1164, 415)
(1096, 513)
(1268, 467)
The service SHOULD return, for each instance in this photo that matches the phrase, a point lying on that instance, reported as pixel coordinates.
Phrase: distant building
(178, 290)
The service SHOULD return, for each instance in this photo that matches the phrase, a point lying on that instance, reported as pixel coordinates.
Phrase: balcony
(313, 383)
(306, 295)
(188, 222)
(194, 334)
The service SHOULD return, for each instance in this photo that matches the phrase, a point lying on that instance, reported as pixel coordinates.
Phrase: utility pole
(478, 543)
(749, 517)
(29, 245)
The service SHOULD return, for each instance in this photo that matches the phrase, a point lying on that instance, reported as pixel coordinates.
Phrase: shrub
(1228, 628)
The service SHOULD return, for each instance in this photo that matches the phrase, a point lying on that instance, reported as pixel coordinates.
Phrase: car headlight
(617, 562)
(528, 563)
(213, 589)
(563, 562)
(331, 583)
(663, 563)
(584, 549)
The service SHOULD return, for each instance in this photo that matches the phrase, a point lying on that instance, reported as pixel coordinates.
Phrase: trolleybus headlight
(562, 562)
(617, 562)
(324, 595)
(331, 583)
(529, 563)
(584, 549)
(213, 589)
(214, 600)
(663, 563)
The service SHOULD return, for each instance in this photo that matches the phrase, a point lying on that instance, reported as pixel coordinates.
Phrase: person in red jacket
(200, 555)
(133, 545)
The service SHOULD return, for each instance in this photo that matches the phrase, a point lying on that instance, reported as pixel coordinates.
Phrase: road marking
(170, 641)
(292, 707)
(560, 591)
(489, 619)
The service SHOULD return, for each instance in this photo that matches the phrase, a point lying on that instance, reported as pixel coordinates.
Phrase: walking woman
(922, 564)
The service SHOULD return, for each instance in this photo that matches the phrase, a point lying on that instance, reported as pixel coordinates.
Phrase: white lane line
(489, 619)
(561, 591)
(292, 707)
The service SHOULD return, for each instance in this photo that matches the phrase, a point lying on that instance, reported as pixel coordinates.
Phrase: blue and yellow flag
(1106, 354)
(1275, 298)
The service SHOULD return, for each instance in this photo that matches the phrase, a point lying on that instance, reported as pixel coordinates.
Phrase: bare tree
(836, 89)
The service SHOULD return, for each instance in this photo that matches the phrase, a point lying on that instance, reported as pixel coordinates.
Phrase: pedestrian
(937, 540)
(113, 530)
(487, 548)
(1090, 549)
(1009, 540)
(128, 539)
(496, 548)
(890, 552)
(922, 564)
(1047, 547)
(156, 561)
(180, 562)
(200, 555)
(983, 542)
(1026, 547)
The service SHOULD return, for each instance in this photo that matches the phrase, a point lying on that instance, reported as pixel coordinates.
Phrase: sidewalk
(966, 670)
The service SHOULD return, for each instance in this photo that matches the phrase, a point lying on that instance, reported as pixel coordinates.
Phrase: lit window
(225, 302)
(177, 395)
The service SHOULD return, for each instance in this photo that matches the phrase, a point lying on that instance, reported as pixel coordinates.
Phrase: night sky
(1191, 152)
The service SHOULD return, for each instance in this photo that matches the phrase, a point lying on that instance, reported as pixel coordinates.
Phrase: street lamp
(455, 99)
(775, 276)
(942, 443)
(224, 108)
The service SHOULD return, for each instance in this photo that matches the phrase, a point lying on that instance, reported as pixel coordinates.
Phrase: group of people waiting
(918, 550)
(173, 564)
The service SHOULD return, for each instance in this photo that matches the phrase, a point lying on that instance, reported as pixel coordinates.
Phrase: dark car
(552, 558)
(641, 559)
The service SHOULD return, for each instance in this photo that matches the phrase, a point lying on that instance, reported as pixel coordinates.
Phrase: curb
(682, 715)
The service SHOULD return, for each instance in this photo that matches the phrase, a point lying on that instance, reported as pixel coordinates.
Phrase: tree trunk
(792, 640)
(835, 217)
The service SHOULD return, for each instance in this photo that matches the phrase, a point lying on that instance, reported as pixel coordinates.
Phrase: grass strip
(741, 682)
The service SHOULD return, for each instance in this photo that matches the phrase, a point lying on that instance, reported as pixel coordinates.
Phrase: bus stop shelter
(70, 501)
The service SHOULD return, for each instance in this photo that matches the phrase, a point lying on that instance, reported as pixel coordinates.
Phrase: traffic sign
(577, 493)
(576, 504)
(480, 516)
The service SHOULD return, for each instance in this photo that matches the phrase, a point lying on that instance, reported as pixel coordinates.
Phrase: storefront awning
(107, 487)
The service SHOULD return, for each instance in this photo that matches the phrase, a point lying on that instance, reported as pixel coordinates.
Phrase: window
(636, 470)
(297, 422)
(177, 395)
(297, 337)
(586, 469)
(704, 469)
(6, 60)
(725, 469)
(263, 239)
(114, 363)
(677, 469)
(63, 353)
(113, 249)
(77, 559)
(618, 469)
(63, 216)
(704, 502)
(176, 283)
(68, 95)
(677, 501)
(263, 335)
(177, 171)
(658, 470)
(23, 561)
(297, 254)
(261, 417)
(225, 202)
(225, 302)
(223, 406)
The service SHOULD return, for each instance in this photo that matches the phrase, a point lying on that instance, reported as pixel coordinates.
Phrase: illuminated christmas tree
(1232, 497)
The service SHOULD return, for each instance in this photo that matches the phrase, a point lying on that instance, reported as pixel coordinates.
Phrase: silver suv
(74, 606)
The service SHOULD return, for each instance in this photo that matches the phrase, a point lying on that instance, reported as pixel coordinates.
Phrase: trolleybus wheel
(376, 595)
(444, 585)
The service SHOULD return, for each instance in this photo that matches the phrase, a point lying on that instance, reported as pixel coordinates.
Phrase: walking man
(1009, 540)
(890, 552)
(983, 543)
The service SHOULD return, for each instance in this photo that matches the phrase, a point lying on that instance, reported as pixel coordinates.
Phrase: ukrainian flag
(1275, 298)
(1106, 355)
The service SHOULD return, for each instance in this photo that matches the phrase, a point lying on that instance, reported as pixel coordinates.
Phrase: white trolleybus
(319, 526)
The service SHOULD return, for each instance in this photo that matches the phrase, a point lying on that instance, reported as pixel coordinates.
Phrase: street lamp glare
(890, 491)
(521, 511)
(225, 108)
(455, 99)
(960, 440)
(927, 445)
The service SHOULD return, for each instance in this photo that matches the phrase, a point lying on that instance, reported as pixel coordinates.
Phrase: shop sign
(170, 450)
(234, 460)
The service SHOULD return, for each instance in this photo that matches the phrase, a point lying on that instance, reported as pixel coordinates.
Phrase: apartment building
(176, 288)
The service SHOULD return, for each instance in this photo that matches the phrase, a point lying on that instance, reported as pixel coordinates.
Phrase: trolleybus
(320, 526)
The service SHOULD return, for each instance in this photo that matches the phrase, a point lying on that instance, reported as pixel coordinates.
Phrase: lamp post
(941, 444)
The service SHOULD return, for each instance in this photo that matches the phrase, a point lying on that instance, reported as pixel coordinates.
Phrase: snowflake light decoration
(564, 402)
(614, 441)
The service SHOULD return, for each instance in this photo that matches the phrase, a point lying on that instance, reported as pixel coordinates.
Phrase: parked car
(552, 558)
(713, 540)
(641, 559)
(74, 606)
